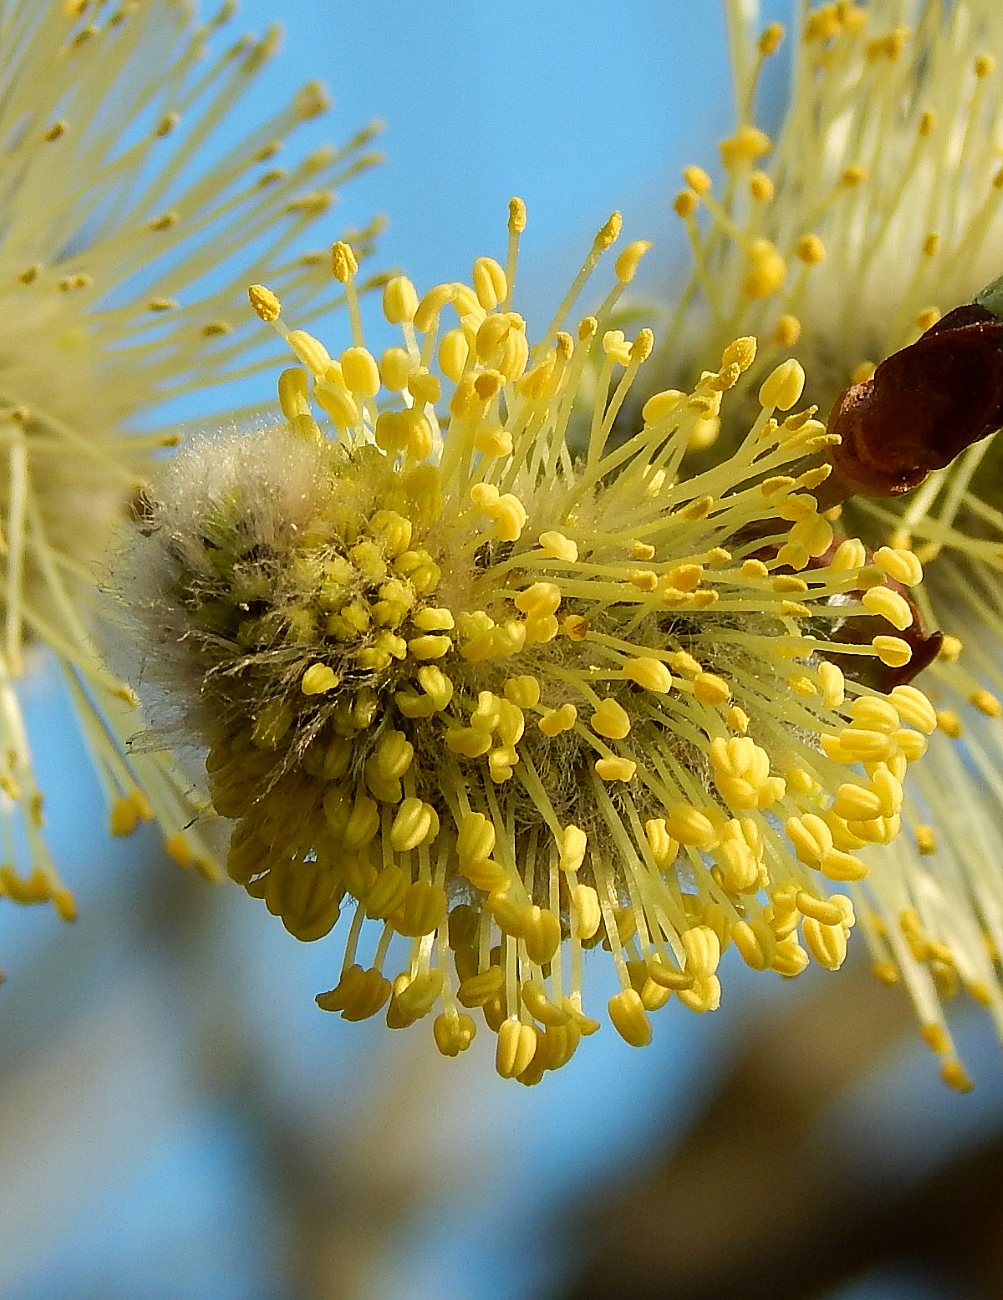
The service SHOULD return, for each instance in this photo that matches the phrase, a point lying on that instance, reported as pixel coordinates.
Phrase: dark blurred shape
(761, 1200)
(923, 407)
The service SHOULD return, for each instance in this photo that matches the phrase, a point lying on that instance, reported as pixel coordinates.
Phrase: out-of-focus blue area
(159, 1098)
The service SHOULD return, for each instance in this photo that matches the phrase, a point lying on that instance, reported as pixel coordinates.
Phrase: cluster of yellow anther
(834, 181)
(836, 239)
(105, 323)
(510, 698)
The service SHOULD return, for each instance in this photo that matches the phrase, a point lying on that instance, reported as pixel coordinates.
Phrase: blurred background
(179, 1120)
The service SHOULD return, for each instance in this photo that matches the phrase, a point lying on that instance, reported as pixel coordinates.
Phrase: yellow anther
(685, 664)
(826, 943)
(685, 577)
(616, 347)
(853, 176)
(362, 825)
(811, 838)
(510, 916)
(358, 995)
(756, 943)
(927, 318)
(642, 346)
(387, 894)
(343, 261)
(661, 844)
(586, 913)
(892, 651)
(424, 386)
(985, 65)
(453, 352)
(745, 146)
(414, 998)
(489, 283)
(630, 1020)
(338, 404)
(453, 1033)
(392, 757)
(889, 605)
(926, 839)
(737, 720)
(740, 352)
(849, 554)
(179, 850)
(660, 405)
(810, 249)
(615, 769)
(784, 386)
(427, 313)
(475, 839)
(516, 216)
(787, 331)
(310, 351)
(400, 300)
(559, 547)
(293, 393)
(538, 600)
(265, 304)
(856, 803)
(754, 569)
(956, 1076)
(765, 270)
(539, 1006)
(573, 844)
(950, 649)
(761, 187)
(477, 989)
(523, 691)
(608, 233)
(900, 565)
(703, 951)
(558, 720)
(769, 41)
(510, 517)
(360, 372)
(485, 717)
(839, 865)
(395, 366)
(711, 689)
(689, 826)
(833, 684)
(517, 1045)
(511, 723)
(914, 708)
(697, 179)
(643, 579)
(434, 619)
(986, 703)
(628, 260)
(318, 679)
(126, 814)
(703, 996)
(416, 823)
(685, 203)
(541, 934)
(491, 439)
(650, 673)
(610, 719)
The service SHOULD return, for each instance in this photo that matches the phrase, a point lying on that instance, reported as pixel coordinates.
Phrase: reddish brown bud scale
(922, 408)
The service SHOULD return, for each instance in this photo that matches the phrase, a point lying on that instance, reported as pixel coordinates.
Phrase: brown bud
(923, 406)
